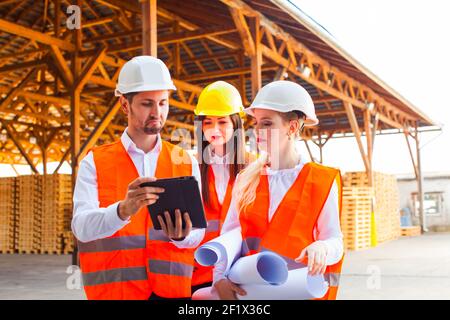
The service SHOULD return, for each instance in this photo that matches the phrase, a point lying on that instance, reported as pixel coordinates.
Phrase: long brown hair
(237, 143)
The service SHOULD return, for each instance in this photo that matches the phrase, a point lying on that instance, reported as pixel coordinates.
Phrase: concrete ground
(408, 268)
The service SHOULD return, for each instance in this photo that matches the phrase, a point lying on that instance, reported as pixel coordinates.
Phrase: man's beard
(152, 130)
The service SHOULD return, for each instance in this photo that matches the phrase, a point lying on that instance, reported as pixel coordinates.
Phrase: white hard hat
(285, 96)
(144, 73)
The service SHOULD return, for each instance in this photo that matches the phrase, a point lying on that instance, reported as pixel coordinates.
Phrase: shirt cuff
(218, 277)
(191, 241)
(112, 217)
(334, 253)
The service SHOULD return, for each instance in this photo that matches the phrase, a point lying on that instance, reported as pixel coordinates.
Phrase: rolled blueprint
(261, 268)
(226, 247)
(298, 286)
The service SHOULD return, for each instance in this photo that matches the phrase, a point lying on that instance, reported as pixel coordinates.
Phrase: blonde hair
(244, 190)
(247, 181)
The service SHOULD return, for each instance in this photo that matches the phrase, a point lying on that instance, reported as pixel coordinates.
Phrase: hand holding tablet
(179, 208)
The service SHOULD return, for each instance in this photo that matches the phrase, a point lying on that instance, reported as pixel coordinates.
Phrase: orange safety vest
(136, 260)
(215, 215)
(292, 225)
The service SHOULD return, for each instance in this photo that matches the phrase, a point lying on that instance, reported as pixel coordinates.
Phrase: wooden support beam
(191, 26)
(5, 2)
(119, 5)
(57, 17)
(355, 128)
(416, 173)
(230, 73)
(32, 115)
(13, 92)
(100, 128)
(33, 35)
(256, 59)
(44, 159)
(63, 159)
(23, 65)
(180, 124)
(374, 131)
(149, 28)
(12, 135)
(61, 65)
(89, 69)
(47, 98)
(327, 98)
(197, 34)
(128, 33)
(368, 130)
(176, 53)
(15, 170)
(242, 82)
(420, 192)
(75, 101)
(309, 150)
(244, 31)
(279, 75)
(30, 52)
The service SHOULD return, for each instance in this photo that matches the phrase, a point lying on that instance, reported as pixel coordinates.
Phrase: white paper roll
(227, 247)
(299, 286)
(260, 268)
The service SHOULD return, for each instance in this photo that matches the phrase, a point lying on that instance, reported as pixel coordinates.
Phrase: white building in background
(436, 199)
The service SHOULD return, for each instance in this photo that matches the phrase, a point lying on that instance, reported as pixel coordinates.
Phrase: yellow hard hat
(219, 99)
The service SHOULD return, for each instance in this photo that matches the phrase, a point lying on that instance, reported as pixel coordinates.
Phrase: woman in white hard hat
(281, 202)
(221, 156)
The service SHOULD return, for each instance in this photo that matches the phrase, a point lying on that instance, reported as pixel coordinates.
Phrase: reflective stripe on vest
(213, 226)
(333, 279)
(112, 244)
(250, 244)
(170, 268)
(114, 275)
(157, 235)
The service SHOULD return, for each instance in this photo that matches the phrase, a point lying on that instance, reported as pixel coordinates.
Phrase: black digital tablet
(180, 193)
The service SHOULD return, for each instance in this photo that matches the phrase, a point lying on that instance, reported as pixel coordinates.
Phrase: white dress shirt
(327, 229)
(219, 166)
(91, 222)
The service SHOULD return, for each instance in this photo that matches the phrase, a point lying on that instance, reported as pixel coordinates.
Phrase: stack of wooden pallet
(28, 217)
(386, 204)
(7, 214)
(35, 214)
(387, 211)
(411, 231)
(55, 211)
(68, 241)
(356, 215)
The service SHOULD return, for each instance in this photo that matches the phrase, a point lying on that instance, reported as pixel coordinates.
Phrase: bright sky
(406, 43)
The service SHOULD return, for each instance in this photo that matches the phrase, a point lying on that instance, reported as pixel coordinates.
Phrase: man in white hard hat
(121, 255)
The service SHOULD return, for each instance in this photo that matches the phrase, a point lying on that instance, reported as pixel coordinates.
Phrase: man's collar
(128, 144)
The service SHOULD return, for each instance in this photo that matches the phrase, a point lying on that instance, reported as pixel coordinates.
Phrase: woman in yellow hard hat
(221, 155)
